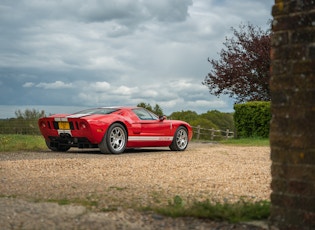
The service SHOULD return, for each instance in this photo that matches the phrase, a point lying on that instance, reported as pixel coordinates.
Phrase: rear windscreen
(97, 111)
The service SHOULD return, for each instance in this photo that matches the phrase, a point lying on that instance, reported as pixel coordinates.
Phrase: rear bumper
(65, 139)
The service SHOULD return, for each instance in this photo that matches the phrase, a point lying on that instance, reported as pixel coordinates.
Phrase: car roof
(118, 107)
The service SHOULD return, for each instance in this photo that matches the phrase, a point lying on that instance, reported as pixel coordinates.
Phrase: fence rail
(212, 134)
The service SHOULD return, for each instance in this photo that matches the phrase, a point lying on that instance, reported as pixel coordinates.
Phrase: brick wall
(292, 130)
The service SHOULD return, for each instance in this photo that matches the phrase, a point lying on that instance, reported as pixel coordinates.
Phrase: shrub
(252, 119)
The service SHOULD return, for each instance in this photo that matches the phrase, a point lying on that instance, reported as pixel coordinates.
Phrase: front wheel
(115, 139)
(180, 140)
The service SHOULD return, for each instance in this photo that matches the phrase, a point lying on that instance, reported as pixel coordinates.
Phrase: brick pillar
(292, 130)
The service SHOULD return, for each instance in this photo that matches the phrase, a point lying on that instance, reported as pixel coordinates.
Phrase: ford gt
(113, 130)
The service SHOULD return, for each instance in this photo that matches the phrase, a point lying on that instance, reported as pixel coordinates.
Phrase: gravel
(110, 188)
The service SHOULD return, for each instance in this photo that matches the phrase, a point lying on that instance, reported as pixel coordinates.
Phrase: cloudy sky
(117, 52)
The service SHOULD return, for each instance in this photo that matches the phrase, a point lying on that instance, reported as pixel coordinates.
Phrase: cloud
(28, 84)
(126, 91)
(98, 86)
(130, 12)
(169, 11)
(53, 85)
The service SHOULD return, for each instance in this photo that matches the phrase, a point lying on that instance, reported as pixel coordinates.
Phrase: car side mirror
(162, 118)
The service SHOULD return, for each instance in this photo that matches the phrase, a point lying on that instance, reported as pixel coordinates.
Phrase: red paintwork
(97, 125)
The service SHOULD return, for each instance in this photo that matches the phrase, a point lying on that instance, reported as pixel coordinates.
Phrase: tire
(59, 148)
(180, 140)
(115, 139)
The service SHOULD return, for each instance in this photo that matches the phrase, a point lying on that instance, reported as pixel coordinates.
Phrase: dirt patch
(128, 181)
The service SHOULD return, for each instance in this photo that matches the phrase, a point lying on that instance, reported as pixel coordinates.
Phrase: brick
(293, 202)
(301, 22)
(280, 39)
(310, 95)
(279, 185)
(285, 7)
(281, 82)
(294, 172)
(303, 67)
(291, 220)
(280, 67)
(278, 139)
(278, 9)
(300, 6)
(291, 152)
(292, 52)
(278, 171)
(276, 215)
(299, 187)
(310, 155)
(303, 81)
(302, 36)
(311, 52)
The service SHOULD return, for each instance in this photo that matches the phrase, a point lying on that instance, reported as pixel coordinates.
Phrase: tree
(242, 72)
(157, 109)
(187, 116)
(29, 114)
(222, 120)
(146, 106)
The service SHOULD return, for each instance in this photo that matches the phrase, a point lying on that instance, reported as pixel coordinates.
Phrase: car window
(143, 114)
(98, 111)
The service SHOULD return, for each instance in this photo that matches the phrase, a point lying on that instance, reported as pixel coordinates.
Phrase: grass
(17, 142)
(255, 141)
(240, 211)
(88, 203)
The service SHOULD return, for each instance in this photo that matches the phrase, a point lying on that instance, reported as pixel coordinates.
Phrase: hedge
(252, 119)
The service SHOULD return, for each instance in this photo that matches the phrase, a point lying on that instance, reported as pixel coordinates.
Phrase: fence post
(198, 132)
(212, 134)
(227, 134)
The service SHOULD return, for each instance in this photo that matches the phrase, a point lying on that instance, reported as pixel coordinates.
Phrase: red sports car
(113, 129)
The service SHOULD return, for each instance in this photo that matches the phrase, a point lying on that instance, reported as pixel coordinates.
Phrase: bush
(252, 119)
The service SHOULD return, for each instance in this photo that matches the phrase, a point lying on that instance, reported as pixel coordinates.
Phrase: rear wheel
(180, 140)
(56, 147)
(115, 139)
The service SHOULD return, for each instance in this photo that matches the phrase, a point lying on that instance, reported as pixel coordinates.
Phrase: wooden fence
(211, 134)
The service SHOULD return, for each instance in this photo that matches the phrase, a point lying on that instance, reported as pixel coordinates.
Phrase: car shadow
(127, 151)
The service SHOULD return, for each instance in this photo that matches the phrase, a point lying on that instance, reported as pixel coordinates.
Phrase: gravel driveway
(111, 187)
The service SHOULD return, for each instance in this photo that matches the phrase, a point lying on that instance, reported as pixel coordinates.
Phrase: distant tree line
(25, 122)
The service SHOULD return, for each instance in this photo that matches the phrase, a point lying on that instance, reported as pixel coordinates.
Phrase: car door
(151, 126)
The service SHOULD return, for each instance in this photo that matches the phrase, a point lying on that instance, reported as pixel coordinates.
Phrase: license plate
(64, 125)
